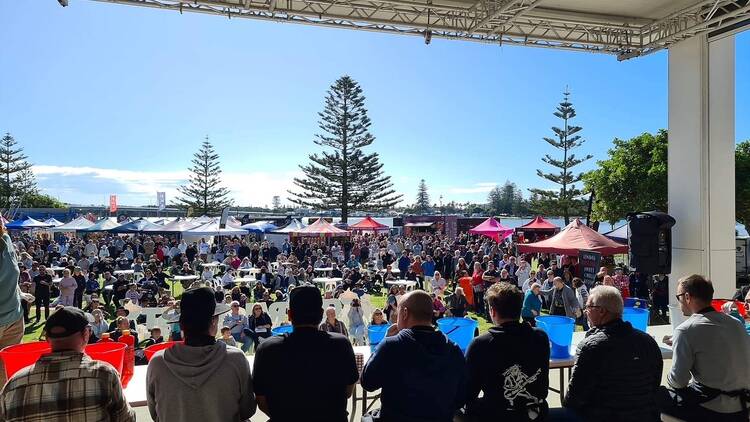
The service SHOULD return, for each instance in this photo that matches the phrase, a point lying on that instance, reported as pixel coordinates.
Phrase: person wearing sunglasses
(710, 375)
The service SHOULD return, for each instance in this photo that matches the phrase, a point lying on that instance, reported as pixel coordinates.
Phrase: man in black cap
(65, 385)
(201, 380)
(291, 383)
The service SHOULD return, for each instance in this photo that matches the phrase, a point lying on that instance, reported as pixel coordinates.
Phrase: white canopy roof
(212, 229)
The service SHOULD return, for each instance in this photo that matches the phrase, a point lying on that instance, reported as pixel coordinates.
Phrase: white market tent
(53, 222)
(79, 223)
(212, 229)
(699, 35)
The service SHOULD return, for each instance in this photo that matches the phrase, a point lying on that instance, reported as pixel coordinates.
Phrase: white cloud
(85, 185)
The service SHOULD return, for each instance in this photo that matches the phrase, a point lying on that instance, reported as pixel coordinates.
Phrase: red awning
(573, 238)
(538, 223)
(492, 229)
(320, 228)
(368, 224)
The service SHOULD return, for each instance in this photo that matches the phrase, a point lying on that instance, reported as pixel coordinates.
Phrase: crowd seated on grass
(326, 291)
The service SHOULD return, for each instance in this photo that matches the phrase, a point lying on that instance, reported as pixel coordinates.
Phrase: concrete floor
(553, 398)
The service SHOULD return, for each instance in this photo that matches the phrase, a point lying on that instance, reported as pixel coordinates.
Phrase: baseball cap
(65, 322)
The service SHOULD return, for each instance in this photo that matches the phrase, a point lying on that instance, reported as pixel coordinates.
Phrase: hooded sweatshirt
(205, 384)
(422, 375)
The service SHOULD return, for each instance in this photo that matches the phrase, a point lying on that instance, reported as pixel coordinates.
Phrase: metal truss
(514, 22)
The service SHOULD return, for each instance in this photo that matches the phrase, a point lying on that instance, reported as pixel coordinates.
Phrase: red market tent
(538, 223)
(573, 238)
(369, 225)
(320, 228)
(492, 229)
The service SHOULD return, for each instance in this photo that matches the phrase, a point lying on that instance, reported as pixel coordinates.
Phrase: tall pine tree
(203, 193)
(423, 198)
(16, 178)
(344, 178)
(567, 200)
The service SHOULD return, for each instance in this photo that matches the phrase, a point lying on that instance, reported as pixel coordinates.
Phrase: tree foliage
(567, 200)
(204, 193)
(742, 182)
(16, 178)
(40, 200)
(632, 178)
(345, 177)
(422, 204)
(506, 200)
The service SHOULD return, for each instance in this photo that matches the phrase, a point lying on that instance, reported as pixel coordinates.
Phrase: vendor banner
(590, 261)
(161, 201)
(112, 203)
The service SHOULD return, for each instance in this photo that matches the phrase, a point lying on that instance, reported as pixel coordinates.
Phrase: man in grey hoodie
(201, 380)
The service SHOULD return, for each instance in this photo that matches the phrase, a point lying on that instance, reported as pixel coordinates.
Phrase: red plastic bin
(151, 350)
(19, 356)
(111, 352)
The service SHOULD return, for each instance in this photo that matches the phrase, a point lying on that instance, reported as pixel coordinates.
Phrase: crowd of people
(422, 375)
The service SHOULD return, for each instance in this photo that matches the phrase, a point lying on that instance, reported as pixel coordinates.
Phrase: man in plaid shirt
(65, 385)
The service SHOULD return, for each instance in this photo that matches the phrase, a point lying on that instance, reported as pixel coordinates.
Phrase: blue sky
(109, 99)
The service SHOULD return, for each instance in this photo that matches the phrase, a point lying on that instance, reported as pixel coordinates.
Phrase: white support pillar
(701, 161)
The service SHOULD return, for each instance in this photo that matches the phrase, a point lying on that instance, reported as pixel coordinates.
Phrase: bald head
(415, 308)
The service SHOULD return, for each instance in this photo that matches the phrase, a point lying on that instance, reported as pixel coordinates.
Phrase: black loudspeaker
(650, 242)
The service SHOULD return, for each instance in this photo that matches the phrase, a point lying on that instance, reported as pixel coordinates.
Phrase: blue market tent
(26, 224)
(136, 226)
(103, 225)
(259, 227)
(619, 234)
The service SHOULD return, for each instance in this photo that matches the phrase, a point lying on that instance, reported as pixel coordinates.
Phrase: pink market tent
(492, 229)
(321, 228)
(538, 224)
(573, 238)
(369, 225)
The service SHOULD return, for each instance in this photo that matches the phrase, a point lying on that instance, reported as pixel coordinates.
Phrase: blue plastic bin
(634, 302)
(458, 330)
(638, 318)
(559, 329)
(282, 329)
(376, 334)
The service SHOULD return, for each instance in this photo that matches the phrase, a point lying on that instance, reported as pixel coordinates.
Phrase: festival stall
(278, 236)
(212, 229)
(574, 238)
(322, 230)
(368, 225)
(27, 223)
(103, 225)
(492, 229)
(137, 226)
(53, 222)
(535, 230)
(619, 235)
(73, 226)
(259, 227)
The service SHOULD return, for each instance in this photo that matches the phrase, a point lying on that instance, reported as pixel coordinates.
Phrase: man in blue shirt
(404, 262)
(422, 374)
